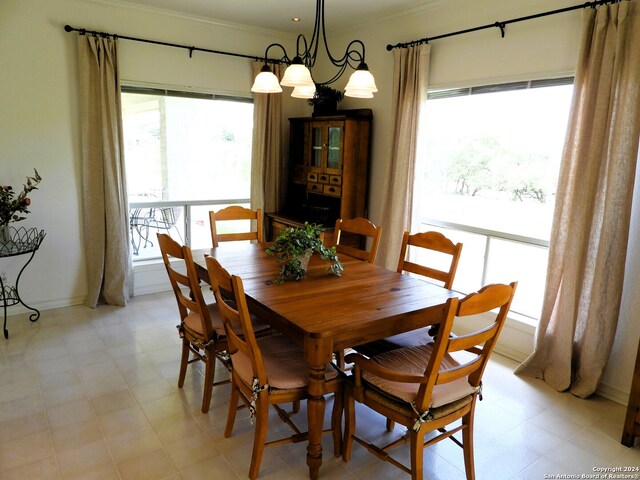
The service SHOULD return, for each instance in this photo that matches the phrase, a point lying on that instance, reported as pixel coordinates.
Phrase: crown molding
(123, 4)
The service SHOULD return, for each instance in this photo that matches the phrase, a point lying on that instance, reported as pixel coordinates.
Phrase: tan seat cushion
(411, 339)
(194, 323)
(283, 361)
(414, 360)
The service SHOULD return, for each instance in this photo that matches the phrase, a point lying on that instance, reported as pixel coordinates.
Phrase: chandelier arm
(312, 50)
(355, 55)
(348, 54)
(336, 62)
(284, 59)
(305, 55)
(338, 74)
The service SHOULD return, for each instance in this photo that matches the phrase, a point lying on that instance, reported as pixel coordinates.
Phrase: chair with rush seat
(357, 226)
(266, 371)
(426, 388)
(426, 242)
(234, 213)
(201, 329)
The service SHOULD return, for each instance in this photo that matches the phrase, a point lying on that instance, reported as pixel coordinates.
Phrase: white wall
(39, 122)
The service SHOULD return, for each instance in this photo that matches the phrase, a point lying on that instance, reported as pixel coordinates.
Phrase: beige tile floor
(92, 394)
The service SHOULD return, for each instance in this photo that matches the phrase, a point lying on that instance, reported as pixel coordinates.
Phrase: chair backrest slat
(235, 212)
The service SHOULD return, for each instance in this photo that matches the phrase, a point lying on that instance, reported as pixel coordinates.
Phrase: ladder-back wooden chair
(235, 212)
(425, 388)
(200, 327)
(426, 242)
(364, 228)
(357, 226)
(265, 371)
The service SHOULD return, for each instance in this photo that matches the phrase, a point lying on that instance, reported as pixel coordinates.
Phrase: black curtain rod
(503, 24)
(84, 31)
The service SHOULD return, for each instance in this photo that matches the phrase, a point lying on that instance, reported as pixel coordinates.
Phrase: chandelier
(298, 75)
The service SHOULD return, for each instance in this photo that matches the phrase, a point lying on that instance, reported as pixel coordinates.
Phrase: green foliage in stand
(293, 244)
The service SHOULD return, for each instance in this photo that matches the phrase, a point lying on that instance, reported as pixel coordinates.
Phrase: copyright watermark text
(599, 473)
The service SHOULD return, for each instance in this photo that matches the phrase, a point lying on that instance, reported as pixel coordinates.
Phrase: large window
(487, 175)
(185, 154)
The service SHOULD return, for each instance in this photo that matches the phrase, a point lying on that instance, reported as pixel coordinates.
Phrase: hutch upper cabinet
(328, 168)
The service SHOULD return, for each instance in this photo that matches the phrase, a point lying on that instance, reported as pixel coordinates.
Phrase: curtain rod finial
(68, 28)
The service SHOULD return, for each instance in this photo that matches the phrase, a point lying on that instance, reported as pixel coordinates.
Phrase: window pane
(146, 223)
(179, 151)
(180, 148)
(509, 261)
(316, 147)
(333, 155)
(471, 264)
(488, 167)
(491, 160)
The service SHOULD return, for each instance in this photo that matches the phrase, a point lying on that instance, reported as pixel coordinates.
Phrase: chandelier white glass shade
(298, 74)
(361, 83)
(266, 82)
(303, 91)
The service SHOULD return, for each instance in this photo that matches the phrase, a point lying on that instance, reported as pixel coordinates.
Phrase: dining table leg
(318, 353)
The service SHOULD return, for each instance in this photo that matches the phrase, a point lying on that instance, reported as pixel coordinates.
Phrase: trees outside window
(486, 176)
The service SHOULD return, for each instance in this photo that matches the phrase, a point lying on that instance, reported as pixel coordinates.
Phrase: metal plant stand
(22, 242)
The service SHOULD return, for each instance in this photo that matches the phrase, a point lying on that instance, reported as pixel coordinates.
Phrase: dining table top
(366, 303)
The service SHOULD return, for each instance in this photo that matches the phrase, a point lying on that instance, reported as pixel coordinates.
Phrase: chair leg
(233, 409)
(260, 436)
(295, 406)
(209, 376)
(390, 425)
(417, 455)
(340, 359)
(467, 444)
(349, 422)
(336, 421)
(184, 362)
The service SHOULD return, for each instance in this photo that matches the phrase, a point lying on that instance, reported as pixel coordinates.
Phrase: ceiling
(277, 14)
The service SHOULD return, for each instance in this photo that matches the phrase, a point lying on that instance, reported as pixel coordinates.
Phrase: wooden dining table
(326, 314)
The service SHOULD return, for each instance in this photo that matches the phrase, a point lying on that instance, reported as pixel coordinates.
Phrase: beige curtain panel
(593, 204)
(106, 232)
(410, 83)
(266, 154)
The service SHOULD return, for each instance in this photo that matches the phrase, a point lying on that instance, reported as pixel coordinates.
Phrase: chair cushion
(193, 322)
(283, 361)
(414, 360)
(413, 338)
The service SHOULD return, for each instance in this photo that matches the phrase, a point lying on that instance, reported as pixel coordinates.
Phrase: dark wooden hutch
(328, 170)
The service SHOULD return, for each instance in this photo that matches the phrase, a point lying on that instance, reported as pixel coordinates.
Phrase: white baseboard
(19, 309)
(613, 394)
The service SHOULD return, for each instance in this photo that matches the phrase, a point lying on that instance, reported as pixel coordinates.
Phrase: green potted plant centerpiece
(294, 247)
(325, 100)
